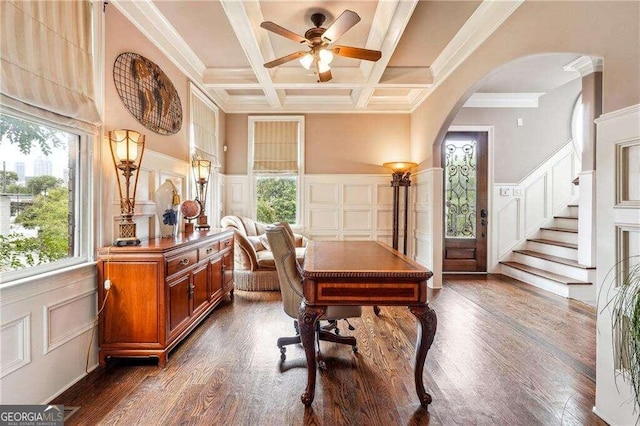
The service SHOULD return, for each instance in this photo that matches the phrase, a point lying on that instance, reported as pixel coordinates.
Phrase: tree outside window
(36, 194)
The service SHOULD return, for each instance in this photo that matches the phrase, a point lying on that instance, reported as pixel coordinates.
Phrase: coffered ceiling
(221, 47)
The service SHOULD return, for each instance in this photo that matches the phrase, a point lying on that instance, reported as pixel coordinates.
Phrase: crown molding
(584, 65)
(487, 17)
(630, 110)
(503, 100)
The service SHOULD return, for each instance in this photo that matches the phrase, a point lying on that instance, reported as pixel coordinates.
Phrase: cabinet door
(215, 277)
(179, 302)
(227, 269)
(199, 293)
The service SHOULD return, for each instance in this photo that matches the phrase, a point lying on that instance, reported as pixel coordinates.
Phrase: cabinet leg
(102, 359)
(231, 294)
(162, 360)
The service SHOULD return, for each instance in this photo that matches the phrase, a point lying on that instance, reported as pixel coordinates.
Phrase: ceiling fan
(320, 40)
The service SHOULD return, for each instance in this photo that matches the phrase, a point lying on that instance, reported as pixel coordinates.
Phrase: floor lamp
(400, 177)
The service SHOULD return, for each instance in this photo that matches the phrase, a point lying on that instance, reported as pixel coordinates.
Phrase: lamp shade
(306, 60)
(325, 56)
(126, 144)
(201, 169)
(400, 166)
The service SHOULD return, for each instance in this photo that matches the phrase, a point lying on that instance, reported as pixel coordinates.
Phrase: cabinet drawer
(208, 250)
(182, 261)
(226, 243)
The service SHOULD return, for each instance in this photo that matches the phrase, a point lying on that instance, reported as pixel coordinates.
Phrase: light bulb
(322, 67)
(306, 60)
(326, 56)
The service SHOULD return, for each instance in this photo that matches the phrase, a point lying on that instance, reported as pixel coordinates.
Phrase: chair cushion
(256, 242)
(265, 258)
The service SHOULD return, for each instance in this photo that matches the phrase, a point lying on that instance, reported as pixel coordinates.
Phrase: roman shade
(47, 65)
(203, 125)
(275, 147)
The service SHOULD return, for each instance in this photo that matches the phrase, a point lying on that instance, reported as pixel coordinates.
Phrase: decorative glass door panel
(460, 188)
(464, 160)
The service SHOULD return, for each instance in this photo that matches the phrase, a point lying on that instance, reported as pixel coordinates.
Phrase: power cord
(107, 287)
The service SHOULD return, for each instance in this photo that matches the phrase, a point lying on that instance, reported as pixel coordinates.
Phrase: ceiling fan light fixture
(325, 56)
(323, 67)
(306, 60)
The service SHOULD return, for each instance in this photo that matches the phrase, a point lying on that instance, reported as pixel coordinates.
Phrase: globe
(190, 209)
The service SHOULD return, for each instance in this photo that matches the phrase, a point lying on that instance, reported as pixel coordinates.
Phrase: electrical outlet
(505, 192)
(107, 284)
(518, 192)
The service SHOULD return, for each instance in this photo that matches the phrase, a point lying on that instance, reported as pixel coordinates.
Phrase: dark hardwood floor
(505, 353)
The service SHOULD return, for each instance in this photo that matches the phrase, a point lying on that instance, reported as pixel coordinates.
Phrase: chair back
(289, 274)
(244, 225)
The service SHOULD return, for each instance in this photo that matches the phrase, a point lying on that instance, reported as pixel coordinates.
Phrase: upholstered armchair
(254, 267)
(289, 273)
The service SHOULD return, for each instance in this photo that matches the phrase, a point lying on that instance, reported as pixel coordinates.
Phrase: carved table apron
(361, 273)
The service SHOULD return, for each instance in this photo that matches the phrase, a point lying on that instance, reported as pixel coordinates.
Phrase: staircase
(550, 260)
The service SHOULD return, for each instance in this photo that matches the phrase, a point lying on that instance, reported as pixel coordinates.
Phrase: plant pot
(167, 202)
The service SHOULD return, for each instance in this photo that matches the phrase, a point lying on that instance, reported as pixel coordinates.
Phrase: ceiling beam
(389, 23)
(245, 19)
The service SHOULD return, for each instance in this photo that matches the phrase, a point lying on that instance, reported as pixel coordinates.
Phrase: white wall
(532, 202)
(618, 213)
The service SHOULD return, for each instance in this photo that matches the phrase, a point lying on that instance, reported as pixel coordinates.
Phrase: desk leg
(307, 318)
(427, 323)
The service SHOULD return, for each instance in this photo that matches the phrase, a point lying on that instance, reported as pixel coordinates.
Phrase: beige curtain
(46, 58)
(275, 147)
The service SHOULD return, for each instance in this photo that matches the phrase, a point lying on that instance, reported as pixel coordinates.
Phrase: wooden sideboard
(160, 290)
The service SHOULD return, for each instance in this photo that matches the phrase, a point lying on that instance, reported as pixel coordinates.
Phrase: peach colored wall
(335, 143)
(607, 29)
(122, 37)
(517, 151)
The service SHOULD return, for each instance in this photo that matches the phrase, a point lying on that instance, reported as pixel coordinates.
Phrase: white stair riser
(557, 268)
(540, 282)
(566, 237)
(566, 223)
(571, 211)
(583, 293)
(565, 252)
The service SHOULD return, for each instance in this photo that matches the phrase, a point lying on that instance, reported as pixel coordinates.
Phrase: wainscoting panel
(536, 202)
(67, 319)
(15, 344)
(237, 200)
(354, 219)
(323, 194)
(358, 194)
(508, 227)
(563, 171)
(324, 220)
(618, 232)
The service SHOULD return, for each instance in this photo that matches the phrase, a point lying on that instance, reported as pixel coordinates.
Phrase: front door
(464, 160)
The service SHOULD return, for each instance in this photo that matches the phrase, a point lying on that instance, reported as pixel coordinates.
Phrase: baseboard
(71, 383)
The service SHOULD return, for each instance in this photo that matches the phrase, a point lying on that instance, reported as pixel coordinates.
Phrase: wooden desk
(363, 273)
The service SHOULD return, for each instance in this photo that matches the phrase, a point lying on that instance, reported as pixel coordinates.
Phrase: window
(39, 193)
(577, 123)
(276, 167)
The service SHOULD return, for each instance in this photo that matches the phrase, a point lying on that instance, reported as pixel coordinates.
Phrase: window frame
(252, 204)
(84, 205)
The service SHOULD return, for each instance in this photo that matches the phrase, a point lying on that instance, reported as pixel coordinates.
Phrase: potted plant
(624, 306)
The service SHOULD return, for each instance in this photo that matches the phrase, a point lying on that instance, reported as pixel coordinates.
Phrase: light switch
(520, 121)
(518, 192)
(505, 192)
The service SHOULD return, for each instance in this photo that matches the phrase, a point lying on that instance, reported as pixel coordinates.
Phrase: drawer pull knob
(209, 250)
(184, 262)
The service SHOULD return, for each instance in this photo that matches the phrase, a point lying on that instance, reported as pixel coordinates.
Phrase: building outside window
(276, 148)
(39, 189)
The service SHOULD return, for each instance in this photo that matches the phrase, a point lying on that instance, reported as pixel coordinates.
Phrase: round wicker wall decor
(147, 93)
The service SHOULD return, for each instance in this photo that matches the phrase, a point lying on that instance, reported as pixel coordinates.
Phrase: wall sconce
(400, 177)
(127, 147)
(201, 172)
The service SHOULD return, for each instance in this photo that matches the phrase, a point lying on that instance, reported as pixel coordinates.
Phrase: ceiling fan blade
(340, 26)
(323, 76)
(357, 53)
(281, 31)
(284, 59)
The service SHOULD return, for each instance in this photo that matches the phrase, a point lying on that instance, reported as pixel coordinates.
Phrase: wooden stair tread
(545, 274)
(554, 243)
(566, 217)
(551, 258)
(557, 229)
